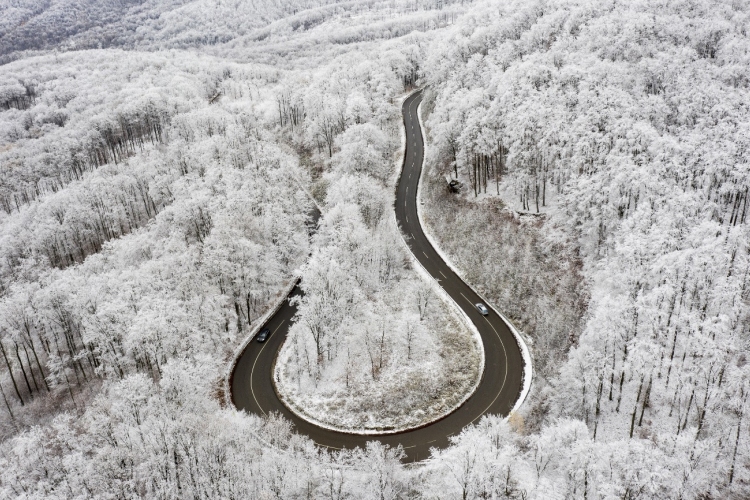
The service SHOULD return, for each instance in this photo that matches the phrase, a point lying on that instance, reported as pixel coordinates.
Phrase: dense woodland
(146, 253)
(154, 198)
(635, 117)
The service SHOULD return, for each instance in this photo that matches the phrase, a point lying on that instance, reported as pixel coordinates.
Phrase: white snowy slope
(155, 160)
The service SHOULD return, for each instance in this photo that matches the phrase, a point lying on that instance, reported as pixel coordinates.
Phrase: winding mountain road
(251, 382)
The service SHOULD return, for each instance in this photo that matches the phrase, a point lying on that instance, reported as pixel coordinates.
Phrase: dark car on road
(263, 335)
(482, 309)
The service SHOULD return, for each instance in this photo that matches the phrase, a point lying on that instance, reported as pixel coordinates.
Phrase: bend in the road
(252, 386)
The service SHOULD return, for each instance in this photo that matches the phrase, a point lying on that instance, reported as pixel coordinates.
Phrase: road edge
(456, 310)
(286, 291)
(522, 345)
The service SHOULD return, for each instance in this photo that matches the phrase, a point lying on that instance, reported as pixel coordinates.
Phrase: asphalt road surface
(251, 385)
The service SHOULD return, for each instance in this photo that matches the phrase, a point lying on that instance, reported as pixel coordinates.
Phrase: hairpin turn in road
(251, 381)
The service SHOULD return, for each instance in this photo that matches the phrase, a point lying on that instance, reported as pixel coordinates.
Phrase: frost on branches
(633, 118)
(373, 347)
(153, 203)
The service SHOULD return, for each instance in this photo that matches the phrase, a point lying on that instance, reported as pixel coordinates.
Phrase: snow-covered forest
(159, 161)
(633, 120)
(368, 324)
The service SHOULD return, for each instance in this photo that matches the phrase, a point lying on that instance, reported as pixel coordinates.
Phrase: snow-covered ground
(142, 227)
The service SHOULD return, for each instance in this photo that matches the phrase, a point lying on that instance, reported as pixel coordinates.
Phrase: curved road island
(251, 383)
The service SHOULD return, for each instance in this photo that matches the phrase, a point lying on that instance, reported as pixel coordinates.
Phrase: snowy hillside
(160, 162)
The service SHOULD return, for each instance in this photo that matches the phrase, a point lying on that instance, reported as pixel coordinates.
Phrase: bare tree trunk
(7, 405)
(18, 356)
(619, 396)
(10, 371)
(30, 339)
(474, 174)
(645, 401)
(635, 408)
(31, 369)
(598, 405)
(743, 398)
(495, 167)
(67, 380)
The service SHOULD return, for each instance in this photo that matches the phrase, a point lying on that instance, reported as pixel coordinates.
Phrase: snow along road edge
(527, 371)
(284, 295)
